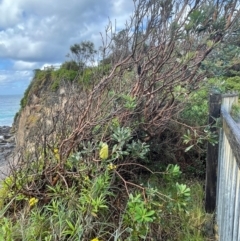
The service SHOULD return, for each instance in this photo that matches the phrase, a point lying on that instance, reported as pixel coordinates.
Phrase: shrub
(233, 83)
(82, 200)
(70, 65)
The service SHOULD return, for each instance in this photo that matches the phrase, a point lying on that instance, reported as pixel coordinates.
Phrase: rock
(7, 136)
(7, 144)
(3, 142)
(4, 130)
(11, 139)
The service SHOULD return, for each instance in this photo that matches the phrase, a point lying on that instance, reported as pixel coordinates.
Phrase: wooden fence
(224, 174)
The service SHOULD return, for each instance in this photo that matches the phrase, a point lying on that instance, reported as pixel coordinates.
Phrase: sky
(36, 33)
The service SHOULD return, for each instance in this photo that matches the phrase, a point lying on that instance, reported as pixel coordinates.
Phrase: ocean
(9, 106)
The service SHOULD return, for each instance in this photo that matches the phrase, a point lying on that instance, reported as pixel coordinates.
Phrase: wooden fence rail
(226, 169)
(228, 195)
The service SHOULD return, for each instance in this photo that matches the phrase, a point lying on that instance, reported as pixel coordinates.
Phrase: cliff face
(38, 118)
(26, 120)
(48, 116)
(52, 106)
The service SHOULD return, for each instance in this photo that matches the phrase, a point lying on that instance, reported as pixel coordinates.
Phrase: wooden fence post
(212, 155)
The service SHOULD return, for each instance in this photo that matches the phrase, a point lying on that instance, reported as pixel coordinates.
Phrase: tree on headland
(82, 54)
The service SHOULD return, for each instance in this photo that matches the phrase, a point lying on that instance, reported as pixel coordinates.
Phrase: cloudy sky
(35, 33)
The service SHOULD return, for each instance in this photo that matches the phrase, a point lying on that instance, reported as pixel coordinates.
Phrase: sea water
(9, 106)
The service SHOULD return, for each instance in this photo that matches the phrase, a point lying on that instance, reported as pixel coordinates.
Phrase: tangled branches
(160, 49)
(155, 65)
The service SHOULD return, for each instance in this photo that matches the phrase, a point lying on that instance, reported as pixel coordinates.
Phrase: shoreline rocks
(7, 144)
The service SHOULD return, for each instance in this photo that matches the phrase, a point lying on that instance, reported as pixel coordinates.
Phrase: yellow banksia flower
(111, 167)
(95, 239)
(86, 178)
(56, 153)
(32, 201)
(104, 151)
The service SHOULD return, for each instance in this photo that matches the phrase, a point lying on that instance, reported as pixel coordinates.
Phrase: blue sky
(36, 33)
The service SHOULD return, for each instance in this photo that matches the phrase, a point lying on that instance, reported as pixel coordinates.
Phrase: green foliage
(5, 190)
(49, 80)
(55, 85)
(90, 75)
(121, 135)
(104, 68)
(60, 75)
(194, 138)
(126, 101)
(130, 102)
(172, 173)
(95, 192)
(126, 146)
(81, 207)
(10, 187)
(138, 149)
(233, 83)
(223, 62)
(87, 76)
(235, 112)
(198, 20)
(182, 196)
(195, 112)
(71, 65)
(193, 223)
(6, 230)
(188, 133)
(24, 100)
(137, 217)
(83, 52)
(40, 81)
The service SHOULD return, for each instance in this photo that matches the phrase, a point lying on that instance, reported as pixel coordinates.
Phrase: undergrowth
(98, 195)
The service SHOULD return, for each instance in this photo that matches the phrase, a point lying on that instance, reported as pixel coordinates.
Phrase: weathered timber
(212, 155)
(228, 175)
(232, 131)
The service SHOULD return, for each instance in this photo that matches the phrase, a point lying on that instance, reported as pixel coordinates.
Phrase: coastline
(7, 146)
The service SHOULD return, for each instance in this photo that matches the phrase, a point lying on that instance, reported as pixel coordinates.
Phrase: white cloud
(46, 29)
(10, 13)
(33, 33)
(16, 81)
(22, 65)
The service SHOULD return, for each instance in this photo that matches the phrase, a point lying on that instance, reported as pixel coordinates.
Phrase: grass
(72, 215)
(197, 222)
(87, 199)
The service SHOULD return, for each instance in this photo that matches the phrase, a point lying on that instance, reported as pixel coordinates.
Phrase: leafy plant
(6, 230)
(130, 102)
(138, 149)
(137, 217)
(172, 173)
(182, 196)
